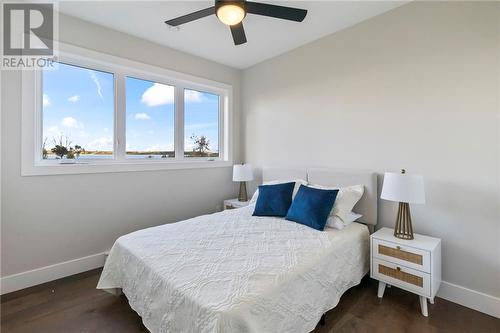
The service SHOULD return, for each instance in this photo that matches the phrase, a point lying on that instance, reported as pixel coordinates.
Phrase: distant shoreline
(89, 153)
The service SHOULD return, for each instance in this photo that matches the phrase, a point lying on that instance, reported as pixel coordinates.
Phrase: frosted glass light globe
(230, 14)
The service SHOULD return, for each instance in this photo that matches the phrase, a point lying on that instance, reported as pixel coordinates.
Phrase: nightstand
(235, 203)
(412, 265)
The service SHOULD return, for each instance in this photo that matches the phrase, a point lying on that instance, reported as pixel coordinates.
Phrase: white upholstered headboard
(367, 206)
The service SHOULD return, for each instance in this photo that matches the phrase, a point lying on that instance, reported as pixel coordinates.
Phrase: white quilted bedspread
(231, 272)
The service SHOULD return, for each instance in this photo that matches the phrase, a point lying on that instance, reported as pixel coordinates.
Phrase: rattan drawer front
(397, 273)
(403, 277)
(402, 255)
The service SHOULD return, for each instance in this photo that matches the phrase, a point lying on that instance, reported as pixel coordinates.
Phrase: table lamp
(405, 189)
(242, 173)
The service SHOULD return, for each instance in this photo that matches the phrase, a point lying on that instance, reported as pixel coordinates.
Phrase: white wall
(51, 219)
(414, 88)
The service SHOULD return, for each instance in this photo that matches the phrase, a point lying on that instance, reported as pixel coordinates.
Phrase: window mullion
(222, 128)
(120, 118)
(38, 96)
(179, 122)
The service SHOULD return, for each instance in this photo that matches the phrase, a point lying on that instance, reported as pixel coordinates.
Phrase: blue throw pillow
(311, 206)
(274, 200)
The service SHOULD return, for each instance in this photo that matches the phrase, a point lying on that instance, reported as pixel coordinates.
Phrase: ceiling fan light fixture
(231, 13)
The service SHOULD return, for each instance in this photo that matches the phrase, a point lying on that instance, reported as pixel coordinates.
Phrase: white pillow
(345, 201)
(336, 223)
(298, 182)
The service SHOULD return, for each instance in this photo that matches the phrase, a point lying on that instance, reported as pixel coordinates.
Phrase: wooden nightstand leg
(431, 300)
(423, 305)
(381, 289)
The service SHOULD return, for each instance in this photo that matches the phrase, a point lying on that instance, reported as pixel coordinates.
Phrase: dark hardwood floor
(74, 305)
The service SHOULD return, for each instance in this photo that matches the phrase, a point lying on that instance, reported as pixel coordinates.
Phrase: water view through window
(201, 124)
(150, 119)
(79, 117)
(78, 113)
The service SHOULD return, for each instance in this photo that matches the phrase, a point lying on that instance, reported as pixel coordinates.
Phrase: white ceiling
(210, 39)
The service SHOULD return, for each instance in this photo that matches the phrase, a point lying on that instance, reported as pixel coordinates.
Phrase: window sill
(46, 169)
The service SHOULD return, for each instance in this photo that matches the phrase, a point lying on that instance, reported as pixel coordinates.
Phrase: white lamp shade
(403, 187)
(242, 173)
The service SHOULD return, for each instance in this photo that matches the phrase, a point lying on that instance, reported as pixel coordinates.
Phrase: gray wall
(417, 88)
(51, 219)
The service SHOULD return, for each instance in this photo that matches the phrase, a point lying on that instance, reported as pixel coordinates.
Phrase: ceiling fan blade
(238, 33)
(281, 12)
(191, 17)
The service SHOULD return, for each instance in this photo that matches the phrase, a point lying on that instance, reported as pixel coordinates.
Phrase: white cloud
(52, 131)
(96, 82)
(46, 100)
(71, 122)
(161, 94)
(158, 94)
(74, 98)
(142, 116)
(102, 143)
(193, 96)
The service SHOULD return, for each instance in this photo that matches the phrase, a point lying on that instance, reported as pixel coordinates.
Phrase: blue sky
(79, 103)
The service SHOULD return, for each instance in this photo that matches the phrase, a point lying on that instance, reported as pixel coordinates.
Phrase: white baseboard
(41, 275)
(470, 298)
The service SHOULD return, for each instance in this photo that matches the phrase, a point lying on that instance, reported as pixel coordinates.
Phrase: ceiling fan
(232, 14)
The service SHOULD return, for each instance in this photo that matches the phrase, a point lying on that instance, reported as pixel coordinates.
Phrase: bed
(232, 272)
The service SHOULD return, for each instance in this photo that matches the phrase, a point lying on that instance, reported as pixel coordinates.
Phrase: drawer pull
(400, 275)
(400, 254)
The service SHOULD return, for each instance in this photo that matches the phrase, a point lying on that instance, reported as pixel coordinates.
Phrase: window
(201, 124)
(78, 113)
(98, 113)
(150, 119)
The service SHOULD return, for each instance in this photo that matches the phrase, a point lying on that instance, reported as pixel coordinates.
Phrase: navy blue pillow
(274, 200)
(311, 206)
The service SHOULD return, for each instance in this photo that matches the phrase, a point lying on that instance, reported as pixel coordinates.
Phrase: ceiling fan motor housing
(220, 3)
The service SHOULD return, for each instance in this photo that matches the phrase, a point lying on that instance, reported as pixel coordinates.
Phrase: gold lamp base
(243, 192)
(403, 228)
